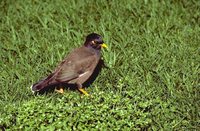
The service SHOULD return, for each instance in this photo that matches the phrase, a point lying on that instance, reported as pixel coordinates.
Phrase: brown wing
(77, 62)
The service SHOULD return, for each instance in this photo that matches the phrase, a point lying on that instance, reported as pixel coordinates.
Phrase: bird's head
(95, 41)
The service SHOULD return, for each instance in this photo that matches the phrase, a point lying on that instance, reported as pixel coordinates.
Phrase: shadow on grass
(73, 87)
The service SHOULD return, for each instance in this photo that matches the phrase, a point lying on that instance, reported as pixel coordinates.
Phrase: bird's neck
(97, 51)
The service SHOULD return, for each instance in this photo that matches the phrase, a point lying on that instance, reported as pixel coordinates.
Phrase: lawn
(153, 77)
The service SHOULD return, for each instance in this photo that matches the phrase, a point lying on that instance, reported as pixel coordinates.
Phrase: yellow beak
(104, 45)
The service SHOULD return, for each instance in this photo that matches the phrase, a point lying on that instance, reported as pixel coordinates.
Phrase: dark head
(95, 41)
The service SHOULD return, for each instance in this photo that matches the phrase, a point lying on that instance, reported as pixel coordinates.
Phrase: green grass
(153, 80)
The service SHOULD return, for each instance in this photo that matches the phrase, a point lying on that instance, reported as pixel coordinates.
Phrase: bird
(77, 67)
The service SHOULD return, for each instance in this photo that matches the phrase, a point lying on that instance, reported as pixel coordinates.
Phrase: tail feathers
(39, 85)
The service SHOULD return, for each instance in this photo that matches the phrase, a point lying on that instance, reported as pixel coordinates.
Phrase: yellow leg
(83, 91)
(60, 90)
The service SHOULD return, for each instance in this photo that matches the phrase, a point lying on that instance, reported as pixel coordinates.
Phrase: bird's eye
(93, 42)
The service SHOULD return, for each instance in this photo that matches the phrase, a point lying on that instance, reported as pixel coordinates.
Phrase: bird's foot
(83, 91)
(60, 90)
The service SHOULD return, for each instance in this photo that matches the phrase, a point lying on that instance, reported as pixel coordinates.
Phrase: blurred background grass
(153, 59)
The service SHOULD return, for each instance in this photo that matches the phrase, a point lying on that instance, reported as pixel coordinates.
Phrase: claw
(83, 91)
(60, 90)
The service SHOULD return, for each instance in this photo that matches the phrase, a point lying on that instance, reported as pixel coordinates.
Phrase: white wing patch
(83, 74)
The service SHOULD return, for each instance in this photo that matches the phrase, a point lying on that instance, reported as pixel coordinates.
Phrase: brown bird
(77, 67)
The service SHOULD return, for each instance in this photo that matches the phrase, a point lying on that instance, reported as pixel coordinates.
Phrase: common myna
(77, 67)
